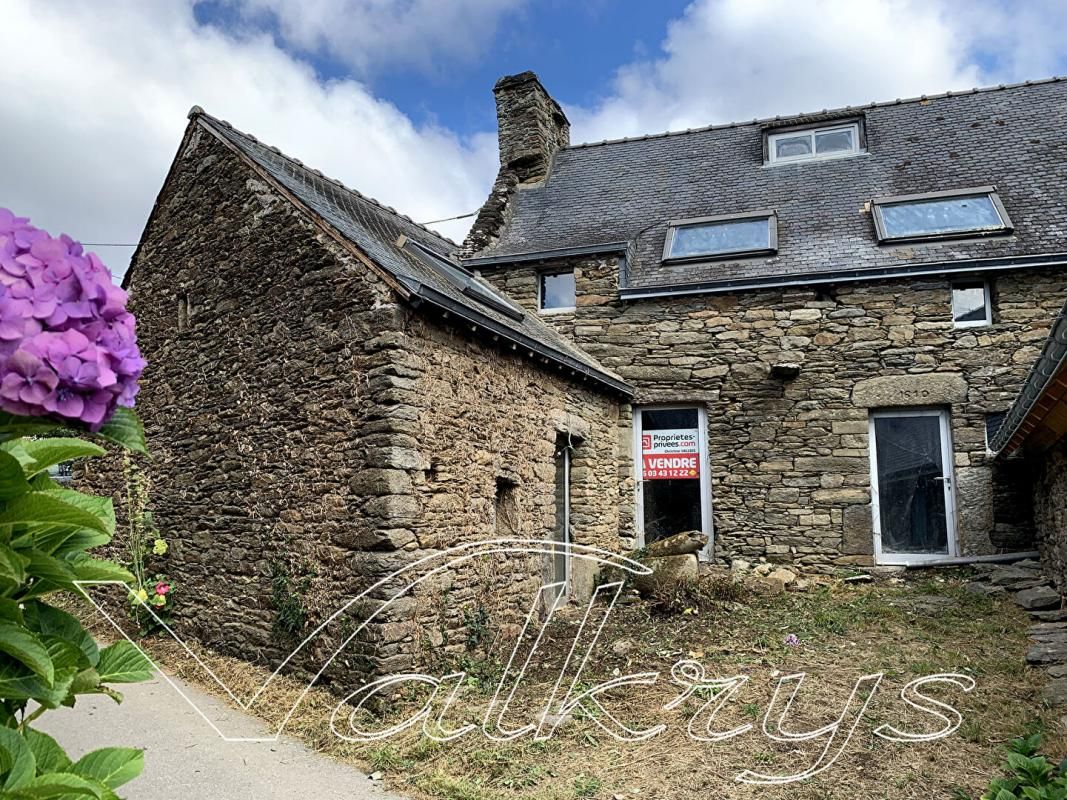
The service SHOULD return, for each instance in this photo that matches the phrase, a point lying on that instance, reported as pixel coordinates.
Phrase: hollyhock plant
(68, 349)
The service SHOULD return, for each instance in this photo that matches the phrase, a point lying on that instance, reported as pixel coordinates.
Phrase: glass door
(673, 487)
(911, 479)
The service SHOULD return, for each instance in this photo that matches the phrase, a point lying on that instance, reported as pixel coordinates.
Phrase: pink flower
(162, 588)
(792, 640)
(68, 348)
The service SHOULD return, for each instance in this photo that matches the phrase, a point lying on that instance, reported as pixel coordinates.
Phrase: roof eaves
(445, 303)
(548, 255)
(968, 266)
(1010, 435)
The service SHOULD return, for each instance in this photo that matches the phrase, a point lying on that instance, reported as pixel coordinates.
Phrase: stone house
(835, 304)
(791, 334)
(332, 397)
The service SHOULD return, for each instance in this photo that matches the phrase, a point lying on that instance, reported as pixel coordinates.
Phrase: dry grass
(846, 631)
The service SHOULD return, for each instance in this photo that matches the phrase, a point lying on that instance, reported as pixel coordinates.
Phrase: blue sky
(574, 47)
(394, 97)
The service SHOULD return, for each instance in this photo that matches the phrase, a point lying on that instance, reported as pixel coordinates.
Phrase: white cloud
(94, 108)
(94, 103)
(369, 35)
(730, 60)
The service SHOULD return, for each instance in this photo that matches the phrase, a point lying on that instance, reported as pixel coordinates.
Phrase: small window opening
(183, 312)
(557, 291)
(971, 306)
(506, 508)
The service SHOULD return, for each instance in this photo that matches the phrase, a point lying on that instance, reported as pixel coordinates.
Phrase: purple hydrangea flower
(68, 346)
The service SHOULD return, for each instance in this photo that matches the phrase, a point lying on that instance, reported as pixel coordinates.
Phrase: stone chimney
(531, 128)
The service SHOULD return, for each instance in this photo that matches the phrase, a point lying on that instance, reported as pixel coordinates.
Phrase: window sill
(714, 257)
(814, 160)
(548, 312)
(1000, 233)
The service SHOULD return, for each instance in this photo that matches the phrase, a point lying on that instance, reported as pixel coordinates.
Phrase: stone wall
(790, 466)
(1050, 510)
(309, 431)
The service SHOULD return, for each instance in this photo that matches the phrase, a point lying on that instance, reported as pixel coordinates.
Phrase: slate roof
(1011, 137)
(1044, 388)
(377, 230)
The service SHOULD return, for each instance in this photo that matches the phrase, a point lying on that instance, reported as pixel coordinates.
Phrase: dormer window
(953, 214)
(723, 236)
(831, 141)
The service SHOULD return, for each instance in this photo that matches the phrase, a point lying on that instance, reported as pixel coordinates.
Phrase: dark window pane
(671, 507)
(946, 215)
(834, 141)
(792, 146)
(911, 489)
(562, 534)
(969, 303)
(557, 290)
(721, 237)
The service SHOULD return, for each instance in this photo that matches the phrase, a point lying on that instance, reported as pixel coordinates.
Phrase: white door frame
(949, 485)
(706, 518)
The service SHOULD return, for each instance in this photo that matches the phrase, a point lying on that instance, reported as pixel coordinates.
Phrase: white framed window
(721, 236)
(556, 291)
(809, 144)
(971, 304)
(953, 214)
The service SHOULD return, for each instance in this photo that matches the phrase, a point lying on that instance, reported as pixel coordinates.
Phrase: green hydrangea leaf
(44, 509)
(49, 621)
(49, 452)
(12, 477)
(62, 785)
(17, 761)
(125, 429)
(25, 647)
(112, 766)
(123, 662)
(46, 750)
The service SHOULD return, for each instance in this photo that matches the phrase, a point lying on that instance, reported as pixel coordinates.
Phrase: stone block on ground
(1058, 615)
(1057, 671)
(1047, 653)
(1040, 597)
(1015, 578)
(677, 545)
(977, 587)
(667, 569)
(1055, 692)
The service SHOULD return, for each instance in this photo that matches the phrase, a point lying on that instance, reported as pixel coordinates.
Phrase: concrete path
(186, 760)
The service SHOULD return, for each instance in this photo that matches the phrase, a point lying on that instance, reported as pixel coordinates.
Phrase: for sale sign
(670, 454)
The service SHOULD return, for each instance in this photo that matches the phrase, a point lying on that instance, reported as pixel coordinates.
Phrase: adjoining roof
(383, 235)
(1042, 403)
(1010, 137)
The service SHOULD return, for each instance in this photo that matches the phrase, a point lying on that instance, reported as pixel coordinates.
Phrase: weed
(286, 596)
(476, 622)
(586, 786)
